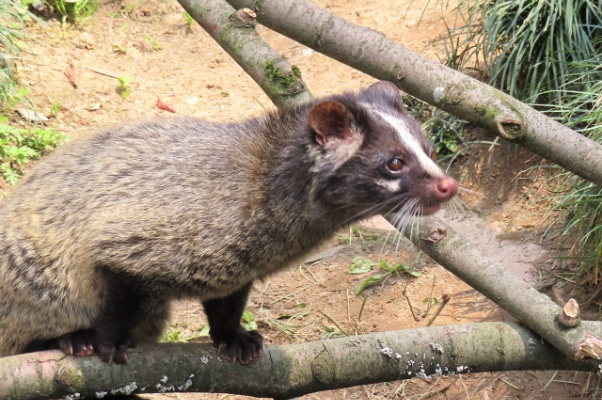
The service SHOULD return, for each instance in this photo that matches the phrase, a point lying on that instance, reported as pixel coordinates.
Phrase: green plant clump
(75, 10)
(549, 54)
(581, 201)
(526, 46)
(18, 146)
(362, 265)
(12, 42)
(443, 129)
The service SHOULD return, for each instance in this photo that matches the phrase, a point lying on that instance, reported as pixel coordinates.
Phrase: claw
(242, 346)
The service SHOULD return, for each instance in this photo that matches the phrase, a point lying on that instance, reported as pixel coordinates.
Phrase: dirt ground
(75, 68)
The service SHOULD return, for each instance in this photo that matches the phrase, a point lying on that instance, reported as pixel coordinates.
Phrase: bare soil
(76, 67)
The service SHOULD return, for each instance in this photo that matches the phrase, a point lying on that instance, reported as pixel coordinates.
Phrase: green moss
(513, 130)
(276, 75)
(486, 112)
(71, 376)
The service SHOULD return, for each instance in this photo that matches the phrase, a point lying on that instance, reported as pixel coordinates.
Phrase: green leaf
(124, 80)
(249, 320)
(434, 300)
(370, 281)
(404, 268)
(10, 175)
(247, 316)
(360, 265)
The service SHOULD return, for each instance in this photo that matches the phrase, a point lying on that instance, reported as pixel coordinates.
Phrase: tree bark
(371, 52)
(286, 371)
(532, 308)
(235, 32)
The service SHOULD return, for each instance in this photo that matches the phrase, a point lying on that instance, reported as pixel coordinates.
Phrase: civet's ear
(383, 91)
(330, 120)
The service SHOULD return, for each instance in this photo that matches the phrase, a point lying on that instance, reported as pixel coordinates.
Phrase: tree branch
(532, 308)
(235, 32)
(371, 52)
(286, 371)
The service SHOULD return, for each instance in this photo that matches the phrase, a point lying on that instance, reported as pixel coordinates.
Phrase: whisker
(370, 210)
(404, 217)
(456, 207)
(463, 189)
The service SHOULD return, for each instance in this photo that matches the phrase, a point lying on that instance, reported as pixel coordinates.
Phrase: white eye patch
(411, 143)
(390, 185)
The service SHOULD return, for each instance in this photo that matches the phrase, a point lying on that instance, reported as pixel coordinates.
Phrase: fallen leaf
(163, 106)
(31, 115)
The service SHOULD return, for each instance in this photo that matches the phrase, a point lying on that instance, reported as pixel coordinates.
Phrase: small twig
(437, 392)
(509, 384)
(401, 389)
(464, 386)
(549, 381)
(563, 278)
(348, 315)
(312, 275)
(265, 285)
(359, 316)
(444, 300)
(287, 296)
(416, 318)
(585, 389)
(104, 72)
(429, 303)
(335, 324)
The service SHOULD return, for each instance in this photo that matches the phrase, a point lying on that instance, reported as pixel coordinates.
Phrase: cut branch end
(590, 347)
(570, 316)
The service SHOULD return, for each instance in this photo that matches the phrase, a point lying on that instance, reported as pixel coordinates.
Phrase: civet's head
(379, 159)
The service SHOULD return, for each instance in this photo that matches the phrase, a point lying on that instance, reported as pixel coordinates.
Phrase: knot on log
(247, 15)
(435, 232)
(510, 129)
(323, 367)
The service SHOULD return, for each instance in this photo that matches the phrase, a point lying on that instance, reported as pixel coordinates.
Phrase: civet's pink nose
(446, 188)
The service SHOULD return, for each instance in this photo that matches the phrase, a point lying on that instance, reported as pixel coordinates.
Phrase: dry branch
(286, 371)
(235, 33)
(371, 52)
(531, 307)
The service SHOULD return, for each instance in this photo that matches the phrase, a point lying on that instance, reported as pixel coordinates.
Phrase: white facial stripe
(392, 186)
(412, 144)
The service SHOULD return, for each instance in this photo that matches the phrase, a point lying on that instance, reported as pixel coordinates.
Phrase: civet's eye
(395, 165)
(434, 156)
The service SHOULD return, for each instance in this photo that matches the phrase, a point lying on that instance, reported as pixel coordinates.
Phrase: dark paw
(241, 345)
(113, 353)
(78, 343)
